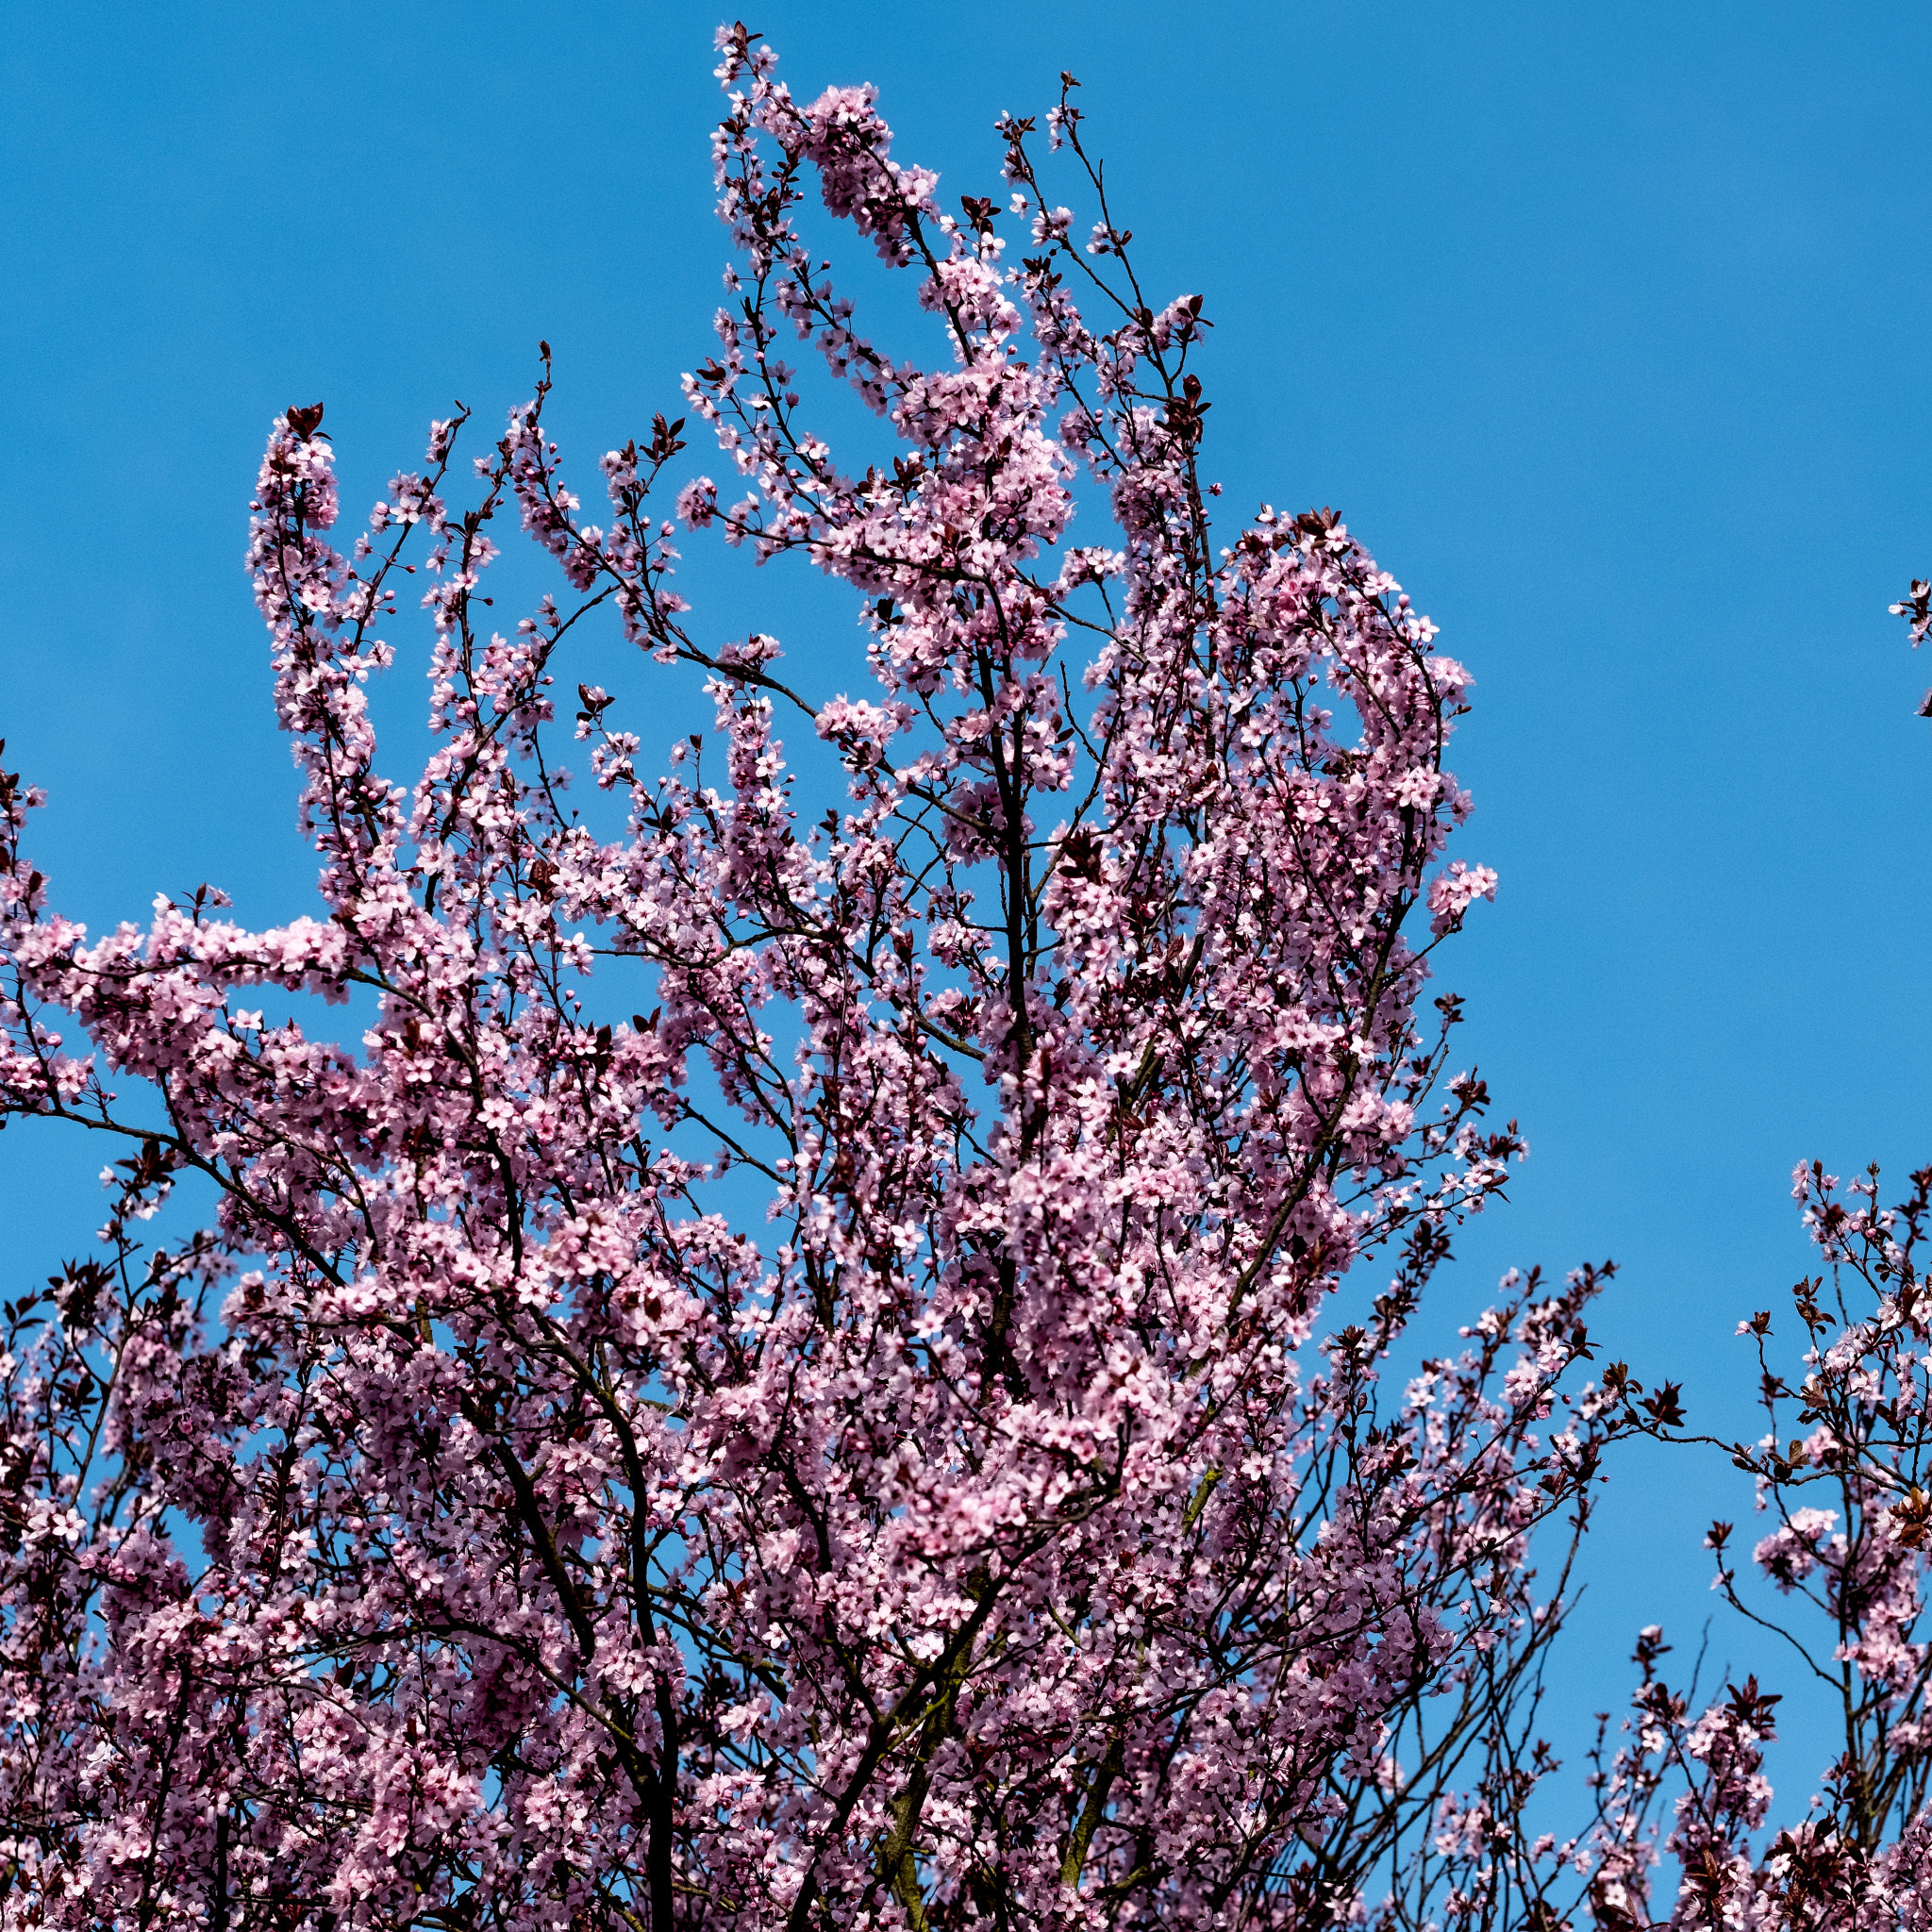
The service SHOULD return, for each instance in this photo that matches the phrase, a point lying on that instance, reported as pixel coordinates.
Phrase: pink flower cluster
(1843, 1478)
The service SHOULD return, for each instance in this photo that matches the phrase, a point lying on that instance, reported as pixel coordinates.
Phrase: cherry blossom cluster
(1680, 1827)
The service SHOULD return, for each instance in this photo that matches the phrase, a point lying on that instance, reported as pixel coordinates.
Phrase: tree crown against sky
(474, 1524)
(994, 1534)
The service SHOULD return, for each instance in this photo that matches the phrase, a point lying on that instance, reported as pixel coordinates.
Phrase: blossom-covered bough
(476, 1525)
(1843, 1479)
(1842, 1475)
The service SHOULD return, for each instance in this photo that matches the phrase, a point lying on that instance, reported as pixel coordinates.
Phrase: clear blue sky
(1604, 326)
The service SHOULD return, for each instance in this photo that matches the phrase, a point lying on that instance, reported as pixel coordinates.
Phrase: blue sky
(1604, 327)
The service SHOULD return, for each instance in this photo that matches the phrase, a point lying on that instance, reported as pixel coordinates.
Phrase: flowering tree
(1842, 1476)
(473, 1523)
